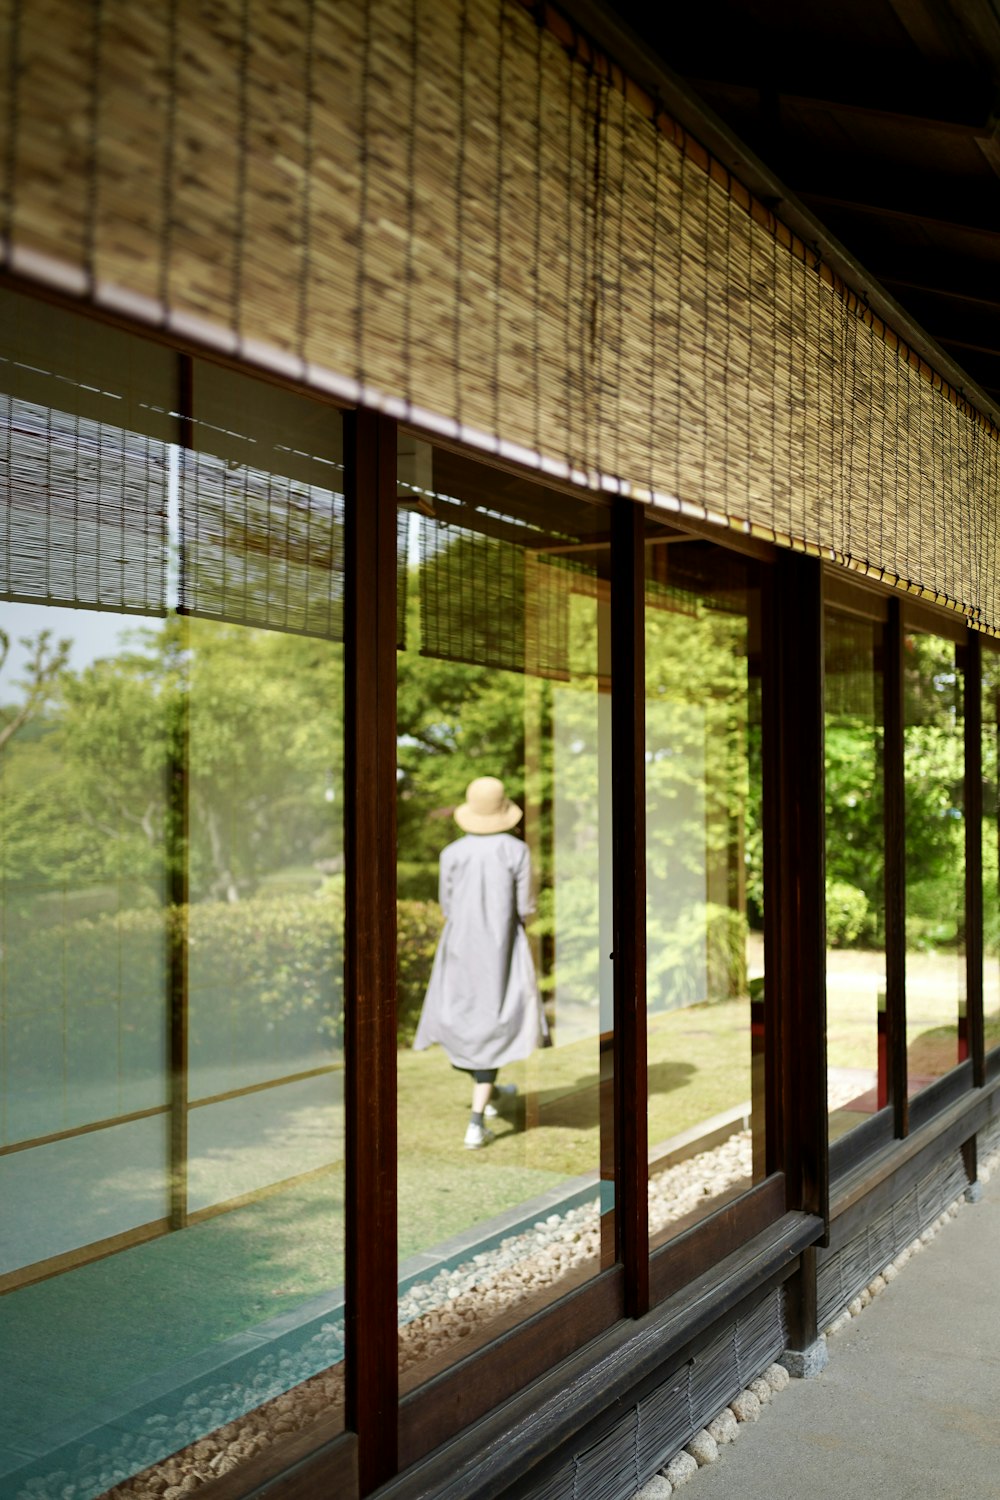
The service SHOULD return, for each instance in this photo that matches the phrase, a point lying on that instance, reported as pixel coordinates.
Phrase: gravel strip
(455, 1304)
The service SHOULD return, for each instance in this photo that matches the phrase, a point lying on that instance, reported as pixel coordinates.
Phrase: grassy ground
(699, 1065)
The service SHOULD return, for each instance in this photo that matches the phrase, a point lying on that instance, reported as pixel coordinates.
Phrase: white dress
(482, 1002)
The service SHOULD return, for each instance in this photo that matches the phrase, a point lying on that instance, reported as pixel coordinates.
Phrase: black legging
(479, 1075)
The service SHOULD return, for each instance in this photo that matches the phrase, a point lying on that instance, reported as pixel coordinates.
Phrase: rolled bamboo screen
(452, 211)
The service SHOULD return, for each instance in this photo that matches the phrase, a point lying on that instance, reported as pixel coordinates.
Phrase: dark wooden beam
(953, 101)
(890, 185)
(628, 734)
(370, 942)
(959, 219)
(990, 351)
(957, 293)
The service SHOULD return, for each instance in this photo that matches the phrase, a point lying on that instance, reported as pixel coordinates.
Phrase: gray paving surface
(909, 1404)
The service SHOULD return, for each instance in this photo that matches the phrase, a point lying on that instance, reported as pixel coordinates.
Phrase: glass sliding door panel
(855, 872)
(704, 879)
(171, 911)
(505, 1185)
(934, 776)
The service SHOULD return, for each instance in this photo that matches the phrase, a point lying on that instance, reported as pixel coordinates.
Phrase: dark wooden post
(628, 743)
(797, 868)
(895, 872)
(971, 659)
(370, 942)
(795, 905)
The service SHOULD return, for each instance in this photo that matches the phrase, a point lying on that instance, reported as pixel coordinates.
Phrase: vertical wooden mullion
(178, 894)
(370, 942)
(795, 909)
(799, 869)
(973, 703)
(628, 736)
(895, 872)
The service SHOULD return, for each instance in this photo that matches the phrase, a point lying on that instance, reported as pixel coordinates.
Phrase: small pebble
(876, 1286)
(865, 1297)
(777, 1377)
(724, 1428)
(703, 1448)
(761, 1390)
(855, 1307)
(746, 1407)
(680, 1469)
(891, 1272)
(657, 1488)
(840, 1321)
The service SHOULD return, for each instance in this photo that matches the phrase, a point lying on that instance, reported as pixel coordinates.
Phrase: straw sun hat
(487, 808)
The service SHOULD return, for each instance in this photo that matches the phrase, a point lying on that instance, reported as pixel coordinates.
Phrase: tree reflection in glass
(855, 871)
(934, 772)
(704, 902)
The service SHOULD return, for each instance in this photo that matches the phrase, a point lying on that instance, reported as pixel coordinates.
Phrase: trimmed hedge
(269, 971)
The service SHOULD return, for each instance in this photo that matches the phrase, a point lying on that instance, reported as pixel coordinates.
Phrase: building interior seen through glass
(856, 1038)
(704, 878)
(171, 1164)
(991, 843)
(506, 1159)
(934, 778)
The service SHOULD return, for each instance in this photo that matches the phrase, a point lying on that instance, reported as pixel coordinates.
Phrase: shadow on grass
(576, 1106)
(933, 1053)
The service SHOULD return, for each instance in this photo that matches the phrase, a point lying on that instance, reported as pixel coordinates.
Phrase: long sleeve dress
(482, 1002)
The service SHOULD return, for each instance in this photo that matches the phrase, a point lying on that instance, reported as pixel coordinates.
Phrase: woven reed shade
(488, 601)
(261, 549)
(261, 509)
(84, 466)
(447, 210)
(853, 669)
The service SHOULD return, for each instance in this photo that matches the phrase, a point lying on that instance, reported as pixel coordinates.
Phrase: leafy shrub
(847, 916)
(418, 930)
(698, 956)
(264, 976)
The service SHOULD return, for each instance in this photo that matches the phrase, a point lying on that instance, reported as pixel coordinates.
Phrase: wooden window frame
(900, 614)
(385, 1433)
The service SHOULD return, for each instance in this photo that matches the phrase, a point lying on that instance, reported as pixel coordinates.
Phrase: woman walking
(482, 1002)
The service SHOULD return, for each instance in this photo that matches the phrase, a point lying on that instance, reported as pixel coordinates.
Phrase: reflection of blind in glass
(83, 511)
(494, 603)
(265, 550)
(260, 549)
(852, 683)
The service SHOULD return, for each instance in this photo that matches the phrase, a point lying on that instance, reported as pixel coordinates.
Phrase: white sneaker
(501, 1092)
(476, 1136)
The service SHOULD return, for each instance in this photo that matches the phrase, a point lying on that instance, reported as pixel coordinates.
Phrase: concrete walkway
(909, 1405)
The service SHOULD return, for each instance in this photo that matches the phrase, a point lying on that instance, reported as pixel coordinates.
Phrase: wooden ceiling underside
(883, 118)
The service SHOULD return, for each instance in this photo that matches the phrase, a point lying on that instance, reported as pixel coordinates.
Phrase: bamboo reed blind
(260, 549)
(453, 212)
(83, 511)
